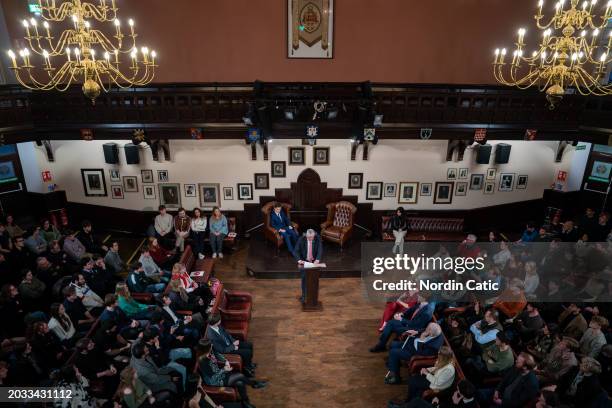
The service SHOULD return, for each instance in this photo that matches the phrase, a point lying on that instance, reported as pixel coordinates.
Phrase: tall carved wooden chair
(338, 227)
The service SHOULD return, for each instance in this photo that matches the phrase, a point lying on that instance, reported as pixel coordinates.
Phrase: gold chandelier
(83, 54)
(571, 53)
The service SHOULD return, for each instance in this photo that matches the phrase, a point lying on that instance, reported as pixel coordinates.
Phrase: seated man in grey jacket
(156, 378)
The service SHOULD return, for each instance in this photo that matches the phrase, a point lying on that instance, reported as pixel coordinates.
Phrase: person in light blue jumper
(218, 232)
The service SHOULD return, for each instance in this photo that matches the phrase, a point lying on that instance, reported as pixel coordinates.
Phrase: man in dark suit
(224, 343)
(309, 248)
(415, 318)
(418, 343)
(280, 222)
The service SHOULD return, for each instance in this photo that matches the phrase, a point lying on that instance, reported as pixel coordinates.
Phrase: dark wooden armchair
(338, 227)
(270, 233)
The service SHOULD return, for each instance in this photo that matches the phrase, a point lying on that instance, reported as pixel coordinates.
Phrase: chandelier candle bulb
(11, 55)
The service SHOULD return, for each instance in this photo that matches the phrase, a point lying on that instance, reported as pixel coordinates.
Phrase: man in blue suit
(418, 343)
(280, 222)
(415, 318)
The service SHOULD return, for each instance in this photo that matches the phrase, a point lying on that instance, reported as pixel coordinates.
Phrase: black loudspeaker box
(502, 153)
(483, 154)
(111, 153)
(131, 154)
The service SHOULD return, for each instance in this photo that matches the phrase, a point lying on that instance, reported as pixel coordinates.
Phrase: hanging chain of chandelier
(571, 54)
(81, 53)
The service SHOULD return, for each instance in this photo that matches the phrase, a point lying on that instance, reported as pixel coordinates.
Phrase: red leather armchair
(338, 227)
(270, 233)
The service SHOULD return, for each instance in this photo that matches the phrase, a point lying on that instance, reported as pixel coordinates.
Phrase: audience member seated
(468, 248)
(113, 260)
(197, 398)
(134, 393)
(156, 378)
(92, 363)
(35, 243)
(414, 318)
(166, 352)
(164, 225)
(13, 312)
(6, 243)
(78, 313)
(49, 232)
(89, 240)
(56, 255)
(150, 267)
(280, 222)
(127, 328)
(32, 292)
(61, 325)
(182, 228)
(183, 300)
(138, 282)
(213, 375)
(89, 298)
(189, 325)
(74, 248)
(193, 288)
(485, 331)
(572, 323)
(581, 386)
(417, 343)
(544, 342)
(438, 378)
(48, 273)
(95, 280)
(70, 379)
(218, 232)
(560, 360)
(224, 343)
(495, 360)
(161, 256)
(13, 229)
(19, 258)
(518, 387)
(47, 350)
(527, 324)
(131, 308)
(399, 305)
(530, 233)
(593, 338)
(198, 232)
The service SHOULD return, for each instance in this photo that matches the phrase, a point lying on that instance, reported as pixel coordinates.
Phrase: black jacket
(300, 252)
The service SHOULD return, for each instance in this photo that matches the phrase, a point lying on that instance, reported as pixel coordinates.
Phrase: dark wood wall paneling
(170, 110)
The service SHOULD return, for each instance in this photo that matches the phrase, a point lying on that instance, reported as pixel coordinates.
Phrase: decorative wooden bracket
(163, 144)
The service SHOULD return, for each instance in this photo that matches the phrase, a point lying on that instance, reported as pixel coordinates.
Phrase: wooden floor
(316, 359)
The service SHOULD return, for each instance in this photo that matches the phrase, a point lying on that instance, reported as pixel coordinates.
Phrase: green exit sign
(581, 147)
(34, 8)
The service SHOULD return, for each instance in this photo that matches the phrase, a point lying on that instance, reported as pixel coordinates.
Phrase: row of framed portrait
(408, 191)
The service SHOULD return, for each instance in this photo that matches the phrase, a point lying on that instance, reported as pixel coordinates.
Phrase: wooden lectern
(311, 303)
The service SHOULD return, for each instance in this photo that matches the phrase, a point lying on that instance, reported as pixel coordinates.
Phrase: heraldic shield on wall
(310, 28)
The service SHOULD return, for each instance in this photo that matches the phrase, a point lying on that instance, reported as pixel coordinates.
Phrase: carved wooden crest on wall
(310, 28)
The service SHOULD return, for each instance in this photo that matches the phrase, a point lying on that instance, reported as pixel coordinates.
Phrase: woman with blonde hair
(187, 294)
(134, 393)
(218, 231)
(438, 378)
(131, 308)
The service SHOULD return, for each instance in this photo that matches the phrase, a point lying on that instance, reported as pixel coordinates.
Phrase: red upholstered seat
(238, 329)
(234, 308)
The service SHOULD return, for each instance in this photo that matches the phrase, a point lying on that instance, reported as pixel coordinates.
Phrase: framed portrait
(278, 169)
(443, 193)
(245, 191)
(374, 190)
(130, 184)
(114, 175)
(521, 181)
(117, 192)
(147, 176)
(162, 176)
(149, 192)
(476, 181)
(390, 189)
(408, 192)
(463, 173)
(355, 180)
(491, 174)
(451, 174)
(310, 28)
(297, 156)
(170, 195)
(228, 193)
(94, 183)
(426, 189)
(489, 187)
(506, 181)
(209, 195)
(190, 190)
(262, 181)
(461, 188)
(320, 156)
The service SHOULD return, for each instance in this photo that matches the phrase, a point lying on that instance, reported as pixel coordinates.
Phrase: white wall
(228, 162)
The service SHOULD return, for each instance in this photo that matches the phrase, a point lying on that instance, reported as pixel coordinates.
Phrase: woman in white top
(438, 378)
(532, 280)
(198, 228)
(60, 323)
